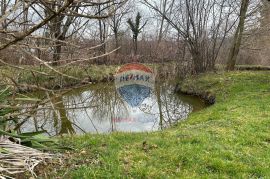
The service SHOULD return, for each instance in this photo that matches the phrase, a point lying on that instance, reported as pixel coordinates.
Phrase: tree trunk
(235, 48)
(102, 37)
(198, 62)
(25, 16)
(58, 44)
(116, 41)
(57, 53)
(66, 125)
(3, 11)
(158, 92)
(160, 35)
(135, 43)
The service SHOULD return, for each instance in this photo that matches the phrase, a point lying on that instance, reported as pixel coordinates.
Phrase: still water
(99, 109)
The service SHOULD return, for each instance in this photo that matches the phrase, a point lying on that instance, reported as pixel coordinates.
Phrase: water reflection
(100, 109)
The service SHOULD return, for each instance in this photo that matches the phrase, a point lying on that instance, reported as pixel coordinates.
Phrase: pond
(99, 109)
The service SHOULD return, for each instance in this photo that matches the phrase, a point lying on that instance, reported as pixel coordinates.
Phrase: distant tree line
(193, 32)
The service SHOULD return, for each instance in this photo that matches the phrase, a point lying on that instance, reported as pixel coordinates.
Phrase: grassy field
(228, 139)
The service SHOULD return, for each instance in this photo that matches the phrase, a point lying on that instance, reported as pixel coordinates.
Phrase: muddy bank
(206, 96)
(252, 68)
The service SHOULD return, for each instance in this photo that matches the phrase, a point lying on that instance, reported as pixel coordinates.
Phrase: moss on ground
(228, 139)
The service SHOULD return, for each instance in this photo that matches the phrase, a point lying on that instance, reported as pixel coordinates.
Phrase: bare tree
(166, 8)
(238, 36)
(116, 20)
(3, 12)
(53, 22)
(59, 26)
(202, 25)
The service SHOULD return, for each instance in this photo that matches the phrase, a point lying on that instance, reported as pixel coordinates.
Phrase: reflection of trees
(174, 108)
(159, 102)
(101, 104)
(169, 107)
(66, 126)
(107, 103)
(51, 117)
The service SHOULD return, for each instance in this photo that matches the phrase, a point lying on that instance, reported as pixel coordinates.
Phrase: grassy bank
(228, 139)
(53, 80)
(28, 80)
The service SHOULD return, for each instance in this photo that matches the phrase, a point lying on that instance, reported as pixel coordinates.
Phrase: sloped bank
(206, 96)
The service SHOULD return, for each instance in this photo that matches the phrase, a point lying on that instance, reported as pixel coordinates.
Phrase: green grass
(228, 139)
